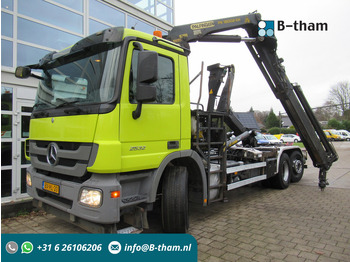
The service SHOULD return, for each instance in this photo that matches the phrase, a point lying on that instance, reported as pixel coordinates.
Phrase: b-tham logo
(266, 28)
(302, 26)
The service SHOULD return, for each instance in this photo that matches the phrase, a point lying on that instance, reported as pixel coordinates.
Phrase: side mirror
(23, 72)
(147, 73)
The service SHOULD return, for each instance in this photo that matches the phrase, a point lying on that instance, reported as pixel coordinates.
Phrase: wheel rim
(297, 166)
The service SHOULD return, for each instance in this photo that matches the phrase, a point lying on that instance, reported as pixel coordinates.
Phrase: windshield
(259, 136)
(89, 79)
(271, 137)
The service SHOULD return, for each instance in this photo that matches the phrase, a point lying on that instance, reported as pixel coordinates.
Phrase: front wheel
(282, 179)
(175, 214)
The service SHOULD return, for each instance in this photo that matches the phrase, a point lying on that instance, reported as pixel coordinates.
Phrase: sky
(315, 60)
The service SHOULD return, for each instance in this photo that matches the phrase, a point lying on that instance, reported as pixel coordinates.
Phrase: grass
(22, 212)
(300, 144)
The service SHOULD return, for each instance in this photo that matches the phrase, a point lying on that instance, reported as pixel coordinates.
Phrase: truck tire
(175, 214)
(282, 179)
(297, 164)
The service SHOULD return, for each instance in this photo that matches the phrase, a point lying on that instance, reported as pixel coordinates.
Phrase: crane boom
(263, 50)
(203, 31)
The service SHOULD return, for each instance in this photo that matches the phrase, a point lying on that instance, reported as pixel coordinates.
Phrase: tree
(261, 116)
(272, 120)
(334, 124)
(346, 125)
(323, 113)
(340, 95)
(346, 115)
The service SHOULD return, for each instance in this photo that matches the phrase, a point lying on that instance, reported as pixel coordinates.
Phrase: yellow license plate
(51, 187)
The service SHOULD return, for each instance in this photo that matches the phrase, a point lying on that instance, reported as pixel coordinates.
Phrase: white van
(345, 134)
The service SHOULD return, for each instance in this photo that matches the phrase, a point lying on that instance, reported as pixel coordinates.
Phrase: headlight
(91, 197)
(29, 179)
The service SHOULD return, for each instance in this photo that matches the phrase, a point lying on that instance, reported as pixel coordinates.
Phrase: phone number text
(70, 247)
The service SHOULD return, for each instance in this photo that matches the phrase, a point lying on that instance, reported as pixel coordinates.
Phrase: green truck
(112, 133)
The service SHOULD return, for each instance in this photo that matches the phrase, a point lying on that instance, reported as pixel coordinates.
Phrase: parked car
(278, 136)
(261, 140)
(345, 133)
(290, 138)
(273, 140)
(332, 136)
(341, 136)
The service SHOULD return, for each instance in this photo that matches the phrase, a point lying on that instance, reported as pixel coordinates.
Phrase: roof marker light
(158, 33)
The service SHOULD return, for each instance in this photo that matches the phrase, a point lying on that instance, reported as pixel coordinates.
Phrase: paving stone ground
(297, 224)
(300, 223)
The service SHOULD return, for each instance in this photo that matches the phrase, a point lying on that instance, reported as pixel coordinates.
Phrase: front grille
(74, 179)
(72, 158)
(61, 161)
(63, 145)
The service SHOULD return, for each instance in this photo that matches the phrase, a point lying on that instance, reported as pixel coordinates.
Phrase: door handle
(173, 144)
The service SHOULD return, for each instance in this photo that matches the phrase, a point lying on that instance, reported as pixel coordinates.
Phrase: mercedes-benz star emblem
(51, 155)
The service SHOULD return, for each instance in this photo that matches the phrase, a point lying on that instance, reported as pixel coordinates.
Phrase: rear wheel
(175, 215)
(297, 164)
(282, 179)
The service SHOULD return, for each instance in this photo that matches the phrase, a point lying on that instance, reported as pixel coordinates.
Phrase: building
(286, 122)
(31, 29)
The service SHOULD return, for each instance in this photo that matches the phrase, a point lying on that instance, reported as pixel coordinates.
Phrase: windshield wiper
(75, 108)
(40, 113)
(67, 103)
(40, 104)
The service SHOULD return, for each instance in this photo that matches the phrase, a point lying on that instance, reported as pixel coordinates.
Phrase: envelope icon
(114, 247)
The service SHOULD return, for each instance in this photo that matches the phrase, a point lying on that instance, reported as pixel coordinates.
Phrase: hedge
(277, 130)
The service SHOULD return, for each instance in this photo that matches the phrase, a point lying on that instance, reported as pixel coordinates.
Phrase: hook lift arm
(263, 50)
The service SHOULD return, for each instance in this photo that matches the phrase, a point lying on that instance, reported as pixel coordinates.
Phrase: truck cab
(109, 112)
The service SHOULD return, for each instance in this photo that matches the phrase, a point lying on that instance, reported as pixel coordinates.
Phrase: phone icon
(11, 247)
(27, 247)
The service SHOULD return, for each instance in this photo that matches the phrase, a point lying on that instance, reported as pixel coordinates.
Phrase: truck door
(146, 141)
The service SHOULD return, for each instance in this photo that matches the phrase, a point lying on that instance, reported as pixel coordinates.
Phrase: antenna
(134, 27)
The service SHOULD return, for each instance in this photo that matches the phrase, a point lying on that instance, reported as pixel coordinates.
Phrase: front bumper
(68, 198)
